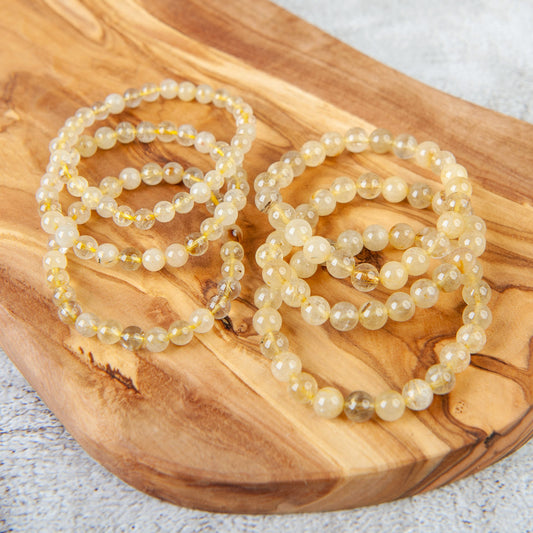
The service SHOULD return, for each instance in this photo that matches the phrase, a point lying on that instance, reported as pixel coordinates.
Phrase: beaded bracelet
(65, 155)
(453, 203)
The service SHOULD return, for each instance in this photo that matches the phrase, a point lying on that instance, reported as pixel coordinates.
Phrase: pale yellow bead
(473, 222)
(153, 259)
(438, 203)
(267, 319)
(297, 232)
(425, 293)
(315, 310)
(202, 321)
(472, 336)
(308, 213)
(323, 202)
(373, 315)
(109, 331)
(350, 242)
(107, 254)
(447, 277)
(451, 224)
(277, 237)
(456, 356)
(478, 314)
(280, 214)
(356, 140)
(164, 211)
(389, 406)
(375, 237)
(87, 324)
(105, 138)
(344, 316)
(267, 297)
(393, 275)
(333, 143)
(317, 250)
(394, 189)
(440, 378)
(440, 160)
(156, 339)
(452, 171)
(420, 195)
(365, 277)
(404, 146)
(401, 236)
(295, 160)
(425, 153)
(474, 241)
(477, 293)
(284, 365)
(328, 402)
(295, 291)
(380, 141)
(369, 185)
(313, 153)
(176, 255)
(458, 185)
(266, 253)
(343, 189)
(400, 306)
(54, 259)
(339, 265)
(276, 273)
(273, 343)
(417, 394)
(302, 266)
(303, 387)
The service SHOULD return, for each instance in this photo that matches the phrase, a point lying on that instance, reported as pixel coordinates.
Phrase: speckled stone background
(479, 50)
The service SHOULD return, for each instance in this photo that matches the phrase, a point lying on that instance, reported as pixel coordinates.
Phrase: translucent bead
(235, 197)
(447, 277)
(425, 293)
(313, 153)
(339, 265)
(400, 307)
(180, 333)
(473, 222)
(435, 243)
(359, 406)
(401, 236)
(231, 249)
(87, 324)
(125, 132)
(106, 207)
(219, 306)
(204, 93)
(328, 402)
(369, 185)
(425, 153)
(265, 296)
(166, 131)
(284, 365)
(440, 378)
(196, 244)
(86, 146)
(66, 235)
(417, 394)
(375, 237)
(183, 202)
(333, 143)
(105, 138)
(152, 174)
(156, 340)
(229, 288)
(149, 92)
(266, 319)
(420, 195)
(111, 186)
(91, 197)
(57, 277)
(186, 135)
(472, 336)
(380, 141)
(164, 211)
(297, 232)
(64, 293)
(153, 259)
(452, 171)
(85, 247)
(123, 216)
(132, 97)
(109, 331)
(350, 242)
(266, 253)
(474, 241)
(440, 160)
(186, 91)
(459, 203)
(54, 259)
(477, 314)
(295, 160)
(356, 140)
(144, 219)
(51, 220)
(200, 193)
(477, 293)
(308, 213)
(68, 312)
(303, 387)
(169, 89)
(273, 343)
(201, 320)
(456, 356)
(146, 132)
(265, 181)
(451, 224)
(404, 146)
(317, 250)
(277, 238)
(438, 203)
(393, 275)
(323, 202)
(172, 173)
(389, 406)
(77, 185)
(130, 258)
(344, 316)
(394, 189)
(343, 189)
(276, 273)
(282, 173)
(130, 178)
(458, 185)
(373, 315)
(463, 259)
(232, 269)
(302, 266)
(204, 141)
(280, 214)
(107, 254)
(365, 277)
(132, 338)
(294, 292)
(315, 310)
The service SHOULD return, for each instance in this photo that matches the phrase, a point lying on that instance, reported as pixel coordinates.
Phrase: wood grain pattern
(206, 426)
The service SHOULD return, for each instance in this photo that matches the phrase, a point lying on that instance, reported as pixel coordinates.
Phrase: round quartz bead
(105, 138)
(235, 197)
(63, 293)
(86, 146)
(66, 235)
(196, 244)
(440, 378)
(201, 320)
(474, 241)
(458, 185)
(231, 249)
(394, 189)
(380, 141)
(172, 173)
(273, 343)
(328, 402)
(204, 141)
(447, 277)
(297, 232)
(87, 324)
(125, 132)
(276, 273)
(350, 242)
(369, 185)
(132, 98)
(77, 185)
(404, 146)
(420, 195)
(333, 143)
(463, 259)
(375, 237)
(169, 89)
(458, 203)
(111, 186)
(265, 181)
(452, 171)
(400, 307)
(186, 135)
(149, 92)
(343, 189)
(267, 253)
(232, 269)
(389, 406)
(85, 247)
(356, 140)
(54, 259)
(204, 93)
(313, 153)
(144, 219)
(109, 331)
(294, 291)
(302, 267)
(123, 216)
(229, 288)
(308, 213)
(303, 387)
(91, 197)
(438, 203)
(425, 153)
(107, 254)
(416, 261)
(164, 211)
(267, 197)
(456, 356)
(359, 406)
(106, 207)
(323, 202)
(68, 312)
(77, 211)
(280, 214)
(425, 293)
(472, 336)
(373, 315)
(180, 333)
(317, 250)
(130, 178)
(56, 277)
(393, 275)
(365, 277)
(473, 222)
(152, 174)
(201, 192)
(295, 161)
(315, 310)
(186, 91)
(477, 293)
(282, 173)
(51, 220)
(211, 229)
(146, 132)
(130, 258)
(440, 160)
(132, 338)
(176, 255)
(156, 339)
(267, 297)
(417, 394)
(284, 365)
(153, 259)
(344, 316)
(401, 236)
(277, 238)
(451, 224)
(339, 265)
(266, 319)
(219, 306)
(477, 314)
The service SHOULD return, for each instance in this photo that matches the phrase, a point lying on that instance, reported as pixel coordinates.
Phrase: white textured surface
(478, 50)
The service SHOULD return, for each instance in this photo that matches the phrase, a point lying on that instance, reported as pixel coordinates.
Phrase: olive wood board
(206, 425)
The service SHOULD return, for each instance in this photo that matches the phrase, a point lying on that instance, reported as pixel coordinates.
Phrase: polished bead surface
(389, 406)
(400, 306)
(373, 315)
(315, 310)
(455, 355)
(132, 338)
(359, 406)
(328, 402)
(284, 365)
(365, 277)
(417, 394)
(440, 378)
(156, 339)
(273, 343)
(303, 387)
(344, 316)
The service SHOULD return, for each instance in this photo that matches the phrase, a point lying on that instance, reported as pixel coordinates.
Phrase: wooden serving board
(207, 426)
